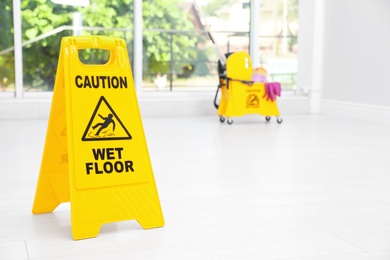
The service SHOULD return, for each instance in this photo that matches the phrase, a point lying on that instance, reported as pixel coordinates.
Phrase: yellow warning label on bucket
(95, 132)
(252, 101)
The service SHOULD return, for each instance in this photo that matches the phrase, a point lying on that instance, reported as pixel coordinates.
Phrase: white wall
(355, 54)
(305, 44)
(357, 51)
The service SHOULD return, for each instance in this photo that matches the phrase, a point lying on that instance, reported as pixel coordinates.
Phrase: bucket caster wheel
(230, 121)
(221, 119)
(279, 120)
(267, 118)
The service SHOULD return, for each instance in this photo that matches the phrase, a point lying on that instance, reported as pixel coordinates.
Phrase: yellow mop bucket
(241, 94)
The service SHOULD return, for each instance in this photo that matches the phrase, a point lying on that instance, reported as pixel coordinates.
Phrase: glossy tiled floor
(312, 188)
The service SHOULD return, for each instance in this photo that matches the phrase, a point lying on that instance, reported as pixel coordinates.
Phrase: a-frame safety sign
(95, 153)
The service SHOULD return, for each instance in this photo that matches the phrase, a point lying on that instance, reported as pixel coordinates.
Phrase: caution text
(100, 81)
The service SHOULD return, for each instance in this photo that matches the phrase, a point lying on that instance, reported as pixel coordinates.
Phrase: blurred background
(178, 54)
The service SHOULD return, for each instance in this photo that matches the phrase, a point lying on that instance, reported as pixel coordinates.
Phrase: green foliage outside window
(42, 16)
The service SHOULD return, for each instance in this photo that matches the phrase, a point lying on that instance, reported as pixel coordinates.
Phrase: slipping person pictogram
(98, 128)
(107, 121)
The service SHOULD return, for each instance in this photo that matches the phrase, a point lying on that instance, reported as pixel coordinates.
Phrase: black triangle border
(85, 139)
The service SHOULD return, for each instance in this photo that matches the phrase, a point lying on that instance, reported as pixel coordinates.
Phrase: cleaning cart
(242, 92)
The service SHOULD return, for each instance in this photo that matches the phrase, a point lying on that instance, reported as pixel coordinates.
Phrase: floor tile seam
(25, 246)
(77, 254)
(326, 255)
(69, 237)
(27, 239)
(12, 240)
(222, 242)
(133, 250)
(183, 245)
(253, 239)
(212, 242)
(350, 243)
(262, 221)
(268, 235)
(29, 223)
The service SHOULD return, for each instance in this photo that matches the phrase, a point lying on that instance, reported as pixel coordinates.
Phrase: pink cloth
(272, 89)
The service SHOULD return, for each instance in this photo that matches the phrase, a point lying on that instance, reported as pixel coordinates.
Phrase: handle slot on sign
(91, 56)
(97, 51)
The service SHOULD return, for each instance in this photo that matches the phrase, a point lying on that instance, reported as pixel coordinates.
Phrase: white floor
(312, 188)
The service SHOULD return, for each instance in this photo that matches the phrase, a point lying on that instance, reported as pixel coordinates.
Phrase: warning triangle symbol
(105, 124)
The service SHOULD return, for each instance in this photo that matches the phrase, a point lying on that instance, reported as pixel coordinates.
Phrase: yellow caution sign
(95, 153)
